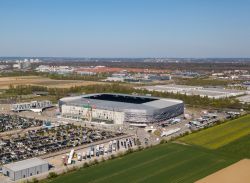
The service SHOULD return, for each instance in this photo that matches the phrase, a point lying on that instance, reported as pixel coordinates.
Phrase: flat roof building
(25, 168)
(215, 93)
(35, 106)
(119, 108)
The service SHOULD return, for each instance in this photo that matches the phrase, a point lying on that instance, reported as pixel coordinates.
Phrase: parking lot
(42, 141)
(12, 122)
(192, 120)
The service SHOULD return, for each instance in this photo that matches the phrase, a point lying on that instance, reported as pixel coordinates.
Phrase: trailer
(83, 155)
(79, 157)
(170, 132)
(71, 154)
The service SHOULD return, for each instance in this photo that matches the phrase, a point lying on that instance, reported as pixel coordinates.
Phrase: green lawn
(220, 135)
(163, 163)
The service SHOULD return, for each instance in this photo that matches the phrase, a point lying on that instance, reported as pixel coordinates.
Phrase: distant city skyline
(125, 29)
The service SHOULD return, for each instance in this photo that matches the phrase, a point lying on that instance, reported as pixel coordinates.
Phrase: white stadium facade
(120, 108)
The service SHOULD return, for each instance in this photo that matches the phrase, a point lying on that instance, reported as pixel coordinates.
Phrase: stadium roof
(149, 104)
(121, 98)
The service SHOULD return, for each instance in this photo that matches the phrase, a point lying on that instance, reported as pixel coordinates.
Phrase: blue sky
(125, 28)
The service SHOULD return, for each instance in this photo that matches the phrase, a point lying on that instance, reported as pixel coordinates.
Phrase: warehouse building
(25, 168)
(120, 108)
(215, 93)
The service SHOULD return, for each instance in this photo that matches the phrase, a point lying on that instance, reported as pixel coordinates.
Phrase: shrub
(129, 151)
(112, 156)
(157, 133)
(102, 159)
(26, 181)
(120, 154)
(73, 168)
(162, 141)
(34, 180)
(95, 162)
(85, 165)
(140, 148)
(52, 175)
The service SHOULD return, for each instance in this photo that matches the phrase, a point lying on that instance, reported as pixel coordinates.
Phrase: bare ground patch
(236, 173)
(42, 81)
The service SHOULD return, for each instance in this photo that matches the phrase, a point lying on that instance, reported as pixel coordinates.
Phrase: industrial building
(25, 168)
(215, 93)
(139, 77)
(35, 106)
(120, 108)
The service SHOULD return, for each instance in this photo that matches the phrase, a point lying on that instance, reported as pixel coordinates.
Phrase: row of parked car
(203, 121)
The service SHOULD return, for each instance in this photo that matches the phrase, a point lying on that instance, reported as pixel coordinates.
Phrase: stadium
(120, 108)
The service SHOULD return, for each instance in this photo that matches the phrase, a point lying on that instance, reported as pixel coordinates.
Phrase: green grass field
(220, 135)
(238, 149)
(209, 150)
(163, 163)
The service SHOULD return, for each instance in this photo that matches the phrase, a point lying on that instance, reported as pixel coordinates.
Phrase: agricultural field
(163, 163)
(207, 152)
(239, 148)
(42, 81)
(220, 135)
(238, 172)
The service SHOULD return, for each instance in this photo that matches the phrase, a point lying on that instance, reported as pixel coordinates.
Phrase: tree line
(194, 100)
